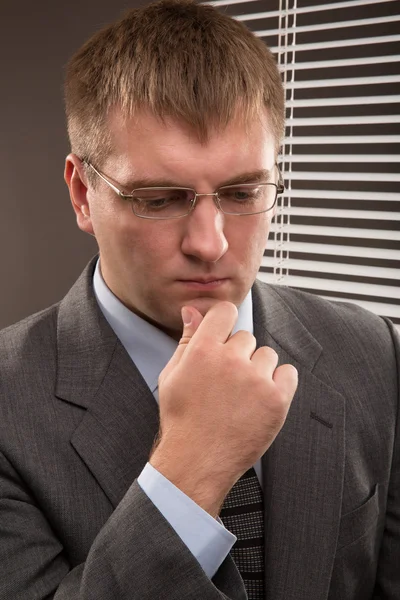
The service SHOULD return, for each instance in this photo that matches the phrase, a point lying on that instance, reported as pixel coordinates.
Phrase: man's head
(180, 92)
(177, 59)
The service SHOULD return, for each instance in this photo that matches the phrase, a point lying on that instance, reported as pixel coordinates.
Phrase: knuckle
(201, 350)
(269, 353)
(242, 341)
(247, 336)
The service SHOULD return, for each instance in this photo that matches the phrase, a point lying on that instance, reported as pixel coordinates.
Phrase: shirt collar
(149, 347)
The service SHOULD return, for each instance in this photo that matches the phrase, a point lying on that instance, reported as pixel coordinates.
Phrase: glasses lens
(162, 203)
(247, 198)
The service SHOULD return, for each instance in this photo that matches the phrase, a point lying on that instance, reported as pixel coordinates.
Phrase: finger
(242, 342)
(216, 326)
(218, 323)
(286, 379)
(265, 359)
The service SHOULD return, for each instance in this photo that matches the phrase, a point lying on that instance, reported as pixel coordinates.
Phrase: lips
(204, 281)
(203, 284)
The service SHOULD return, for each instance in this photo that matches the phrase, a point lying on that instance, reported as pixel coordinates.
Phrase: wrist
(196, 477)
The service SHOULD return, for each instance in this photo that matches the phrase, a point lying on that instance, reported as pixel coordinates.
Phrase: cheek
(250, 244)
(149, 247)
(111, 220)
(263, 229)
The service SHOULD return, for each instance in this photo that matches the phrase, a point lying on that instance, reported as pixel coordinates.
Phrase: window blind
(337, 229)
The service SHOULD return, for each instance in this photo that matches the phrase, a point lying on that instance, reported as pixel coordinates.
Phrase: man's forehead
(144, 125)
(147, 152)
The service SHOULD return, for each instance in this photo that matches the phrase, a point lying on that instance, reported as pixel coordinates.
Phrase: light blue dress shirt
(151, 349)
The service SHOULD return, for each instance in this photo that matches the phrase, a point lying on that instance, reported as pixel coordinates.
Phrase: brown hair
(179, 59)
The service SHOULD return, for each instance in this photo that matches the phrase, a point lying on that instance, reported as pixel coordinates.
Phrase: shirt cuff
(206, 538)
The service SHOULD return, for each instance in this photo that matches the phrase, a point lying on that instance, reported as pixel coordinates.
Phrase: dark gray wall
(41, 249)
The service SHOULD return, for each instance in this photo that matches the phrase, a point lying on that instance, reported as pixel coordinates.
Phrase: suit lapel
(116, 412)
(303, 470)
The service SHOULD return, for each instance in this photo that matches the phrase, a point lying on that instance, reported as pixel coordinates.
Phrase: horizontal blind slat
(308, 9)
(340, 43)
(330, 267)
(342, 82)
(351, 287)
(342, 139)
(329, 26)
(337, 250)
(353, 101)
(346, 232)
(335, 176)
(317, 121)
(336, 213)
(345, 62)
(341, 195)
(340, 158)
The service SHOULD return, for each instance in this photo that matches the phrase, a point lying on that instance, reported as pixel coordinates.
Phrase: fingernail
(186, 316)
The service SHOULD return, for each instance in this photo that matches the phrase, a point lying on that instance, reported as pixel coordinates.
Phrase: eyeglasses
(172, 203)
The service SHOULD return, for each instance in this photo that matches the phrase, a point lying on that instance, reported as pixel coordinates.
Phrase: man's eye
(243, 195)
(159, 199)
(152, 201)
(158, 202)
(239, 195)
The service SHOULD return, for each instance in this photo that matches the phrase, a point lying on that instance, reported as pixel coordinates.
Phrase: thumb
(191, 318)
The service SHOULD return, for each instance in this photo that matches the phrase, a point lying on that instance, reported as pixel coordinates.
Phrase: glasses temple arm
(112, 186)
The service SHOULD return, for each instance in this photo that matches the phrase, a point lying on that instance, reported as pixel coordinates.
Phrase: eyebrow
(251, 177)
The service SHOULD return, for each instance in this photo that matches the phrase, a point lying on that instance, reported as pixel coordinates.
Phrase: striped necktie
(243, 515)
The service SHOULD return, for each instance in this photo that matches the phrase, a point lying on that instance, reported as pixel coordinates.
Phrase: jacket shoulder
(28, 346)
(333, 322)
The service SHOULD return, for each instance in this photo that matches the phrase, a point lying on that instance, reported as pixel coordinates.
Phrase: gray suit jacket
(77, 423)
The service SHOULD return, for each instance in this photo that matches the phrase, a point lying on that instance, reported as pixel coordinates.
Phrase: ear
(75, 178)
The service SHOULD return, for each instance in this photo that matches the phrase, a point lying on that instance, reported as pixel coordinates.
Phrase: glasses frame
(280, 188)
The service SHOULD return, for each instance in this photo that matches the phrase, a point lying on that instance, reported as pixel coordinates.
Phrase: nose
(204, 231)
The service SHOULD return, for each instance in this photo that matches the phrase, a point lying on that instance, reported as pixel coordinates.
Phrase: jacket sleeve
(388, 572)
(137, 555)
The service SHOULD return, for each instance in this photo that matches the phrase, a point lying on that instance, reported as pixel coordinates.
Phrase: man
(143, 458)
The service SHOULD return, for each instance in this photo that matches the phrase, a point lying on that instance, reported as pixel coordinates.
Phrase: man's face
(150, 265)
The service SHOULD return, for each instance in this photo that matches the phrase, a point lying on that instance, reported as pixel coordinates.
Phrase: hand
(222, 404)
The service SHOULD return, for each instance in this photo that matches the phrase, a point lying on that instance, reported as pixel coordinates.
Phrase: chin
(204, 304)
(172, 325)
